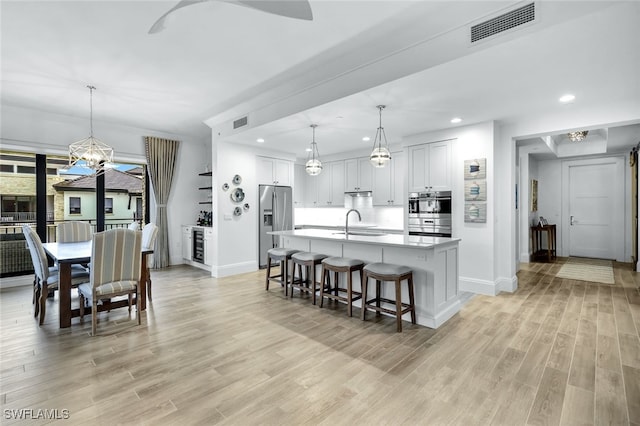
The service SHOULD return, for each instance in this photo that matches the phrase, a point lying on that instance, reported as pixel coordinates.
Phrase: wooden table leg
(143, 283)
(64, 294)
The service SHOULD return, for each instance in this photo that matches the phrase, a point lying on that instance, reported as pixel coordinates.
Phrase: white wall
(46, 133)
(477, 257)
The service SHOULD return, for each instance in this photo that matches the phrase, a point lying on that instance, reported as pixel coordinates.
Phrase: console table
(540, 252)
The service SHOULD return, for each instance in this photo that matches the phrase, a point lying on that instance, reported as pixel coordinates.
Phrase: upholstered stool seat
(337, 265)
(386, 272)
(282, 255)
(309, 260)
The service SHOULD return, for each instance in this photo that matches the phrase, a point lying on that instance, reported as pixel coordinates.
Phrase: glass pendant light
(91, 152)
(380, 155)
(313, 166)
(578, 136)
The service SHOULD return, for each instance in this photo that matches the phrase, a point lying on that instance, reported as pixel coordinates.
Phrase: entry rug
(594, 270)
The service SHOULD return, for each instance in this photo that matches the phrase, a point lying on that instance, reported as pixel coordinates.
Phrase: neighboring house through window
(74, 205)
(108, 205)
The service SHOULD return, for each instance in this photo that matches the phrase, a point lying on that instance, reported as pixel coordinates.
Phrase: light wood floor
(224, 351)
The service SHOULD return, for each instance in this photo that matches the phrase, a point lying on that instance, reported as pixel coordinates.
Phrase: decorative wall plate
(237, 195)
(237, 211)
(225, 186)
(237, 180)
(246, 206)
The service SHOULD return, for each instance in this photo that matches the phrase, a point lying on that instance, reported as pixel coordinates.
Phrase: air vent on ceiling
(506, 21)
(240, 122)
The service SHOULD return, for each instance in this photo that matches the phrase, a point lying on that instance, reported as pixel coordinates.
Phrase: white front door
(595, 218)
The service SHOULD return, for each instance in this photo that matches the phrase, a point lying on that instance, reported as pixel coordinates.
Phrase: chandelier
(578, 136)
(313, 166)
(380, 154)
(90, 153)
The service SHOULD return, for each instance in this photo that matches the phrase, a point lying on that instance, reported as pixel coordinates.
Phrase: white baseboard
(477, 286)
(233, 269)
(525, 257)
(507, 284)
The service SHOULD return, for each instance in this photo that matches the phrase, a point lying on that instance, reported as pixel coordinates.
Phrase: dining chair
(73, 232)
(115, 271)
(134, 226)
(46, 277)
(149, 234)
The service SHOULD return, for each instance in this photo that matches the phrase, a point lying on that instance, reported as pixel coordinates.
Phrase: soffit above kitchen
(217, 61)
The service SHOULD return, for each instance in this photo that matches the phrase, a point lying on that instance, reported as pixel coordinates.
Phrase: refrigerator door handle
(275, 218)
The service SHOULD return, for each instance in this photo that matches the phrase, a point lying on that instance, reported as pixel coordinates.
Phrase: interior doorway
(593, 208)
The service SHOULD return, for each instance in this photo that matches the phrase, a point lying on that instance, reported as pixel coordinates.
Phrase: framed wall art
(475, 190)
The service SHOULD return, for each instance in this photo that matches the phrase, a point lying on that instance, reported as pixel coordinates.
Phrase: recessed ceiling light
(567, 98)
(308, 149)
(260, 140)
(456, 120)
(366, 139)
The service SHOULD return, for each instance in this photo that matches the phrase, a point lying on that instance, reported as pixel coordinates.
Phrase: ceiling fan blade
(159, 24)
(298, 9)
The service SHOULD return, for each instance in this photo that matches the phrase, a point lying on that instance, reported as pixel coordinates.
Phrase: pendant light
(90, 153)
(578, 136)
(380, 155)
(313, 166)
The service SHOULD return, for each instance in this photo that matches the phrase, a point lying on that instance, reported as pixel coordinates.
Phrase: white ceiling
(216, 59)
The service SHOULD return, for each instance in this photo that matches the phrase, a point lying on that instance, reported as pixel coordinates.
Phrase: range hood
(359, 193)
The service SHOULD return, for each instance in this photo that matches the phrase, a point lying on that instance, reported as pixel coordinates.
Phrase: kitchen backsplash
(382, 217)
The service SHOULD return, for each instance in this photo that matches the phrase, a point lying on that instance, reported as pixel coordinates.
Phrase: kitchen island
(434, 261)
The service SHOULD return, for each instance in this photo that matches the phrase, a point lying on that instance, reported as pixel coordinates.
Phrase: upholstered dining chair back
(38, 255)
(116, 258)
(149, 235)
(72, 232)
(115, 271)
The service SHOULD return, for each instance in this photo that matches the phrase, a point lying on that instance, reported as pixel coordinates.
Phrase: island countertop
(375, 237)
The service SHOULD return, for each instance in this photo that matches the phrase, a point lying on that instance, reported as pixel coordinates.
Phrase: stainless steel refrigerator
(275, 214)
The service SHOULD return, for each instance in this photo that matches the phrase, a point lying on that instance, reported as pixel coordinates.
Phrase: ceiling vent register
(240, 122)
(504, 22)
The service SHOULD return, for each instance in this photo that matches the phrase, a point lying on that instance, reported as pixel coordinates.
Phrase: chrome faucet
(346, 223)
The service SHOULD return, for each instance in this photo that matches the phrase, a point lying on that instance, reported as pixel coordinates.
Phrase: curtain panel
(161, 160)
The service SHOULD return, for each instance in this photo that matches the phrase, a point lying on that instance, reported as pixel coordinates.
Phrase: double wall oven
(430, 213)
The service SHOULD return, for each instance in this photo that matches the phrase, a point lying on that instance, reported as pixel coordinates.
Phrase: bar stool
(282, 255)
(382, 272)
(309, 260)
(336, 265)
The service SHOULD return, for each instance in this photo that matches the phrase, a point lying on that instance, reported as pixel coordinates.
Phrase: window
(108, 205)
(74, 205)
(27, 169)
(6, 168)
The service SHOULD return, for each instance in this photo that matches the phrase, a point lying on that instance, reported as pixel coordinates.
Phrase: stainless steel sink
(362, 233)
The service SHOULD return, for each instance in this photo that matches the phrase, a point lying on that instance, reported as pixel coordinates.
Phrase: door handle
(572, 220)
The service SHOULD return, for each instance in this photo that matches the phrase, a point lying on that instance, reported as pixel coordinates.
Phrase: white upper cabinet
(274, 171)
(358, 174)
(330, 185)
(388, 182)
(299, 181)
(430, 167)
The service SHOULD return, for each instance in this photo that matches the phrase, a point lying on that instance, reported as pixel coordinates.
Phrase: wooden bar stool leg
(349, 294)
(398, 305)
(324, 273)
(335, 283)
(364, 282)
(378, 291)
(266, 281)
(313, 283)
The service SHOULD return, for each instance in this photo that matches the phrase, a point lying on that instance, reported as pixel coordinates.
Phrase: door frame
(618, 189)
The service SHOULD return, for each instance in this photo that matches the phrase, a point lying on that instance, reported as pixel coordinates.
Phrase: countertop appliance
(430, 214)
(275, 213)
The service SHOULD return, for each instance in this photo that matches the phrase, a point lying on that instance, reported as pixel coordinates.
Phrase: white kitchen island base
(434, 262)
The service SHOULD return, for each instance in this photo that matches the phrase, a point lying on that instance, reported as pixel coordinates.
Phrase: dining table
(67, 254)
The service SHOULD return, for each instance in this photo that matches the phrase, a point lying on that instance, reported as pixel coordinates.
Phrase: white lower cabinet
(187, 242)
(208, 246)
